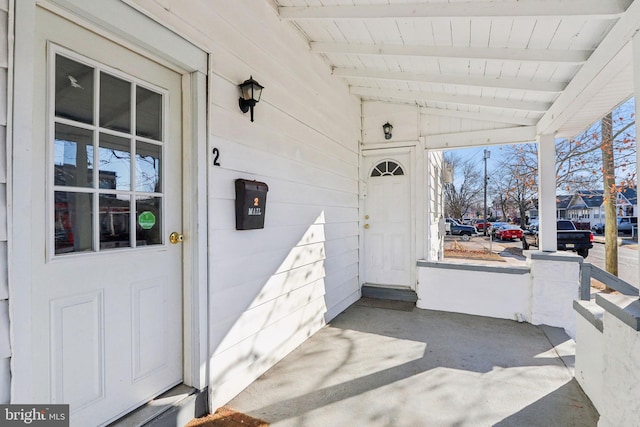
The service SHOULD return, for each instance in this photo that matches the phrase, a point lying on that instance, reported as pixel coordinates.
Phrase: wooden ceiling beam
(488, 82)
(485, 53)
(471, 9)
(409, 95)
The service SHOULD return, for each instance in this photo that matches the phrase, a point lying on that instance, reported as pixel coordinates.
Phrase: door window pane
(74, 90)
(115, 103)
(115, 162)
(73, 156)
(148, 114)
(114, 221)
(72, 218)
(148, 162)
(101, 128)
(148, 221)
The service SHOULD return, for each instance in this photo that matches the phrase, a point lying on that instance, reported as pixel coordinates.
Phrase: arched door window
(387, 168)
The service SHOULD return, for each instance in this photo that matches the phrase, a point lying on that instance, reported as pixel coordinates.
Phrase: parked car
(569, 239)
(508, 232)
(480, 223)
(598, 228)
(626, 224)
(492, 229)
(454, 228)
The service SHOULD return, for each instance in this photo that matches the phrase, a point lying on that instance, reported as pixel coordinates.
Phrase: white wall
(270, 289)
(5, 349)
(502, 293)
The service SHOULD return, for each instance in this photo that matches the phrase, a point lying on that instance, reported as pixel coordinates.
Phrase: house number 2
(216, 156)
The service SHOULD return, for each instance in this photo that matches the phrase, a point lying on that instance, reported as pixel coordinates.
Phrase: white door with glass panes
(387, 219)
(106, 281)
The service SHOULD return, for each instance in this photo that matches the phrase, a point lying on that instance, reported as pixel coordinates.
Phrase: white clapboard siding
(434, 202)
(270, 289)
(5, 347)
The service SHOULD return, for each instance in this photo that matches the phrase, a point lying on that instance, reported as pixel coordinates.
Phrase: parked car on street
(454, 228)
(508, 232)
(626, 224)
(598, 228)
(480, 223)
(492, 229)
(569, 239)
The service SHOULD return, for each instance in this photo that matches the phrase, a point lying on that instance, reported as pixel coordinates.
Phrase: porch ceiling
(555, 66)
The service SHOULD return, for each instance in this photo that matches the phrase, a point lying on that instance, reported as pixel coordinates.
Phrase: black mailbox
(251, 203)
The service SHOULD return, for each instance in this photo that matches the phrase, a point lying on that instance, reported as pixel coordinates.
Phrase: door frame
(389, 152)
(170, 50)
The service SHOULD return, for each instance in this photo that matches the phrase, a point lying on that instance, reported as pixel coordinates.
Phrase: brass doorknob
(176, 237)
(366, 226)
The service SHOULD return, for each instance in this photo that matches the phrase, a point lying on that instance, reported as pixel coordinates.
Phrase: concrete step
(175, 407)
(381, 292)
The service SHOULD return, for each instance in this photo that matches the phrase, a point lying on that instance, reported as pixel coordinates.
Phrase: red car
(479, 224)
(509, 232)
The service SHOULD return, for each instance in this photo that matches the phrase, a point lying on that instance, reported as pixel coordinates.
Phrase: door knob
(176, 237)
(366, 226)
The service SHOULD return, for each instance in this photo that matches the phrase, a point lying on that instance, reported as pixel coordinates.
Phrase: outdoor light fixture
(387, 128)
(251, 91)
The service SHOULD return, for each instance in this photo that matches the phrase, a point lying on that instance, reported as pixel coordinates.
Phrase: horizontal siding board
(272, 132)
(286, 191)
(237, 367)
(5, 381)
(252, 320)
(4, 275)
(3, 154)
(238, 159)
(282, 214)
(5, 345)
(231, 362)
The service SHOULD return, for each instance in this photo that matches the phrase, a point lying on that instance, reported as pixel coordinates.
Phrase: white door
(387, 219)
(106, 281)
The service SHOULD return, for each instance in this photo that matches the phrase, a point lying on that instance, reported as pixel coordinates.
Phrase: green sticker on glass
(147, 220)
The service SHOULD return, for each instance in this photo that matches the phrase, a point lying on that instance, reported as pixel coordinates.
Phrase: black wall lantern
(251, 91)
(387, 128)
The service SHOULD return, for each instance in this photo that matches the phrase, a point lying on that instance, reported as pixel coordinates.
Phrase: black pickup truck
(569, 238)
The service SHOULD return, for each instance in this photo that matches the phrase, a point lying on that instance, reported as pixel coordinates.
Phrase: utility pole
(487, 154)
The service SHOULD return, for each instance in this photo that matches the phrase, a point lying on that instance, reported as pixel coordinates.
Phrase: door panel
(387, 233)
(106, 282)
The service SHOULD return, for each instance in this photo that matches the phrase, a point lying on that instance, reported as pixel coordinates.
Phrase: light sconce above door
(387, 128)
(251, 91)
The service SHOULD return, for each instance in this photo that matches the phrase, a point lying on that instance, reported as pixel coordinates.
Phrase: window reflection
(148, 114)
(115, 213)
(73, 156)
(115, 162)
(72, 218)
(115, 103)
(74, 90)
(148, 163)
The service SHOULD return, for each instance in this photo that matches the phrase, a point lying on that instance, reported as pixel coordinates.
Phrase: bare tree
(610, 196)
(466, 188)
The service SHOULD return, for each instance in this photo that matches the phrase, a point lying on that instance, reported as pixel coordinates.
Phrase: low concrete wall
(541, 293)
(589, 365)
(610, 371)
(500, 292)
(555, 285)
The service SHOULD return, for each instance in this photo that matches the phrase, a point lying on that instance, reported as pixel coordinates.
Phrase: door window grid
(92, 212)
(387, 168)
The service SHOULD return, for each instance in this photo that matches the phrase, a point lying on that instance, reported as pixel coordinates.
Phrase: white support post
(547, 193)
(636, 87)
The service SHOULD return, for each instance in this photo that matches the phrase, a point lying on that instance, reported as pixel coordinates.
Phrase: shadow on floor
(378, 367)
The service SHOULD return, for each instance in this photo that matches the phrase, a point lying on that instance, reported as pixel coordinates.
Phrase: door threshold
(389, 293)
(176, 406)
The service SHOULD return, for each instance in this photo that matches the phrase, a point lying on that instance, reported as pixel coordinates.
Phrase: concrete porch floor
(383, 367)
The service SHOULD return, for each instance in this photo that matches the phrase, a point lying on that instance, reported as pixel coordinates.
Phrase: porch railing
(590, 271)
